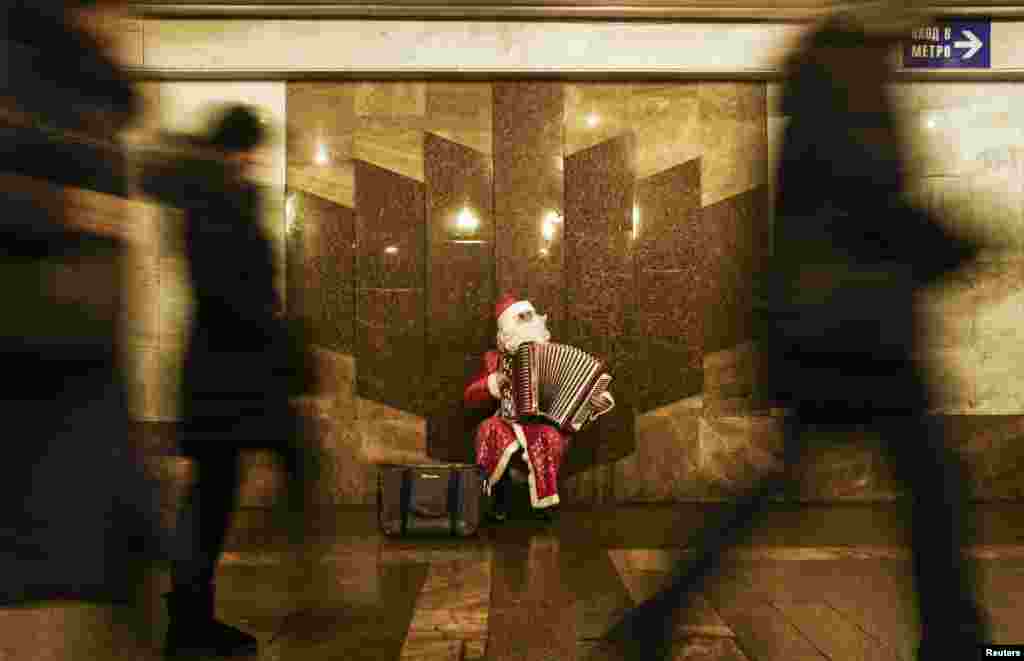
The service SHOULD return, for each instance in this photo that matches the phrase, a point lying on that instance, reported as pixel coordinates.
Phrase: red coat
(477, 392)
(498, 439)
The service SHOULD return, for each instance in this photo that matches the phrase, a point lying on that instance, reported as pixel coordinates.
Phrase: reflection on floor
(828, 583)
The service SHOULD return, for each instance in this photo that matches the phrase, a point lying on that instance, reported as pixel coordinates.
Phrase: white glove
(495, 382)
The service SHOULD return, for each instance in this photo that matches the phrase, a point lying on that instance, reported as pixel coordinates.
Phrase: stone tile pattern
(460, 289)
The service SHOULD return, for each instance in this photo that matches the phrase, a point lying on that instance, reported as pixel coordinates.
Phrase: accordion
(558, 383)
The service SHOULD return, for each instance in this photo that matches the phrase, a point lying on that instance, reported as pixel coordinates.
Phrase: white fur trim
(537, 503)
(512, 310)
(492, 385)
(506, 457)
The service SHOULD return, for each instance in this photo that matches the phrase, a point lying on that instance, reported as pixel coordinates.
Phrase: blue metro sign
(950, 45)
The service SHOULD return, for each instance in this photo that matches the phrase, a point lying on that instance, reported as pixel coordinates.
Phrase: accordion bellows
(558, 383)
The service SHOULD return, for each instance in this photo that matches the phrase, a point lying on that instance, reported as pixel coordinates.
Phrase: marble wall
(634, 216)
(628, 213)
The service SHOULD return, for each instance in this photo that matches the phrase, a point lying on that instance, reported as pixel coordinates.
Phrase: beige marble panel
(773, 96)
(949, 318)
(955, 378)
(990, 100)
(389, 435)
(462, 113)
(464, 45)
(141, 376)
(162, 376)
(666, 120)
(595, 113)
(663, 467)
(733, 120)
(1007, 46)
(142, 310)
(735, 159)
(321, 120)
(335, 182)
(1000, 370)
(391, 99)
(174, 298)
(392, 145)
(736, 451)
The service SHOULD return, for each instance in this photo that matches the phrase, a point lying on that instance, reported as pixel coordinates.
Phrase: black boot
(499, 511)
(193, 631)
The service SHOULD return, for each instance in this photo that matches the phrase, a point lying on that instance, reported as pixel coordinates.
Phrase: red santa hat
(508, 307)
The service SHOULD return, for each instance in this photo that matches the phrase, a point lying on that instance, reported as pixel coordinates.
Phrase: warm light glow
(391, 250)
(553, 217)
(543, 252)
(593, 120)
(548, 229)
(321, 157)
(636, 221)
(289, 213)
(466, 221)
(930, 123)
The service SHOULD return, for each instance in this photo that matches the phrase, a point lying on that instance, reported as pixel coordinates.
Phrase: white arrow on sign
(973, 44)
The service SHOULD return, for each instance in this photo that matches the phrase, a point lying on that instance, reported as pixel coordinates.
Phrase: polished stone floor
(812, 583)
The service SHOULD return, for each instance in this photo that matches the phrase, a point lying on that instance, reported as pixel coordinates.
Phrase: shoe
(193, 632)
(641, 635)
(546, 514)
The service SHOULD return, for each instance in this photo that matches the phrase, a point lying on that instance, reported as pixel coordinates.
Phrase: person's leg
(646, 631)
(918, 449)
(204, 519)
(202, 528)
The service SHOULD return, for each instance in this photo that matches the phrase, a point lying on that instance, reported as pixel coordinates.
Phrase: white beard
(515, 333)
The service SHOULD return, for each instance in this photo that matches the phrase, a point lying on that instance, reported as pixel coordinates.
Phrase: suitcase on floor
(445, 499)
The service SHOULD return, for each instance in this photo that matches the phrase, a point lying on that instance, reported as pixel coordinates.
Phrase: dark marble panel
(736, 232)
(390, 229)
(321, 269)
(451, 426)
(528, 185)
(667, 206)
(600, 282)
(389, 347)
(671, 324)
(672, 272)
(460, 273)
(460, 288)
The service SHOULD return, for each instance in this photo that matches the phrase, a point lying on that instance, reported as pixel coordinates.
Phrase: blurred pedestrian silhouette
(839, 332)
(242, 366)
(80, 519)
